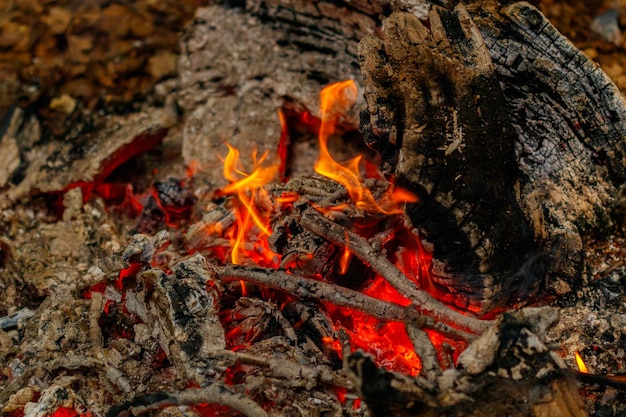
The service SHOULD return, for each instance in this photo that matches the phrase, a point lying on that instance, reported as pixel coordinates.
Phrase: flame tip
(580, 363)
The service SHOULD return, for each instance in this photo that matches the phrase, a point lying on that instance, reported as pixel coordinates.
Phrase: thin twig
(423, 321)
(318, 224)
(286, 369)
(309, 288)
(425, 350)
(213, 394)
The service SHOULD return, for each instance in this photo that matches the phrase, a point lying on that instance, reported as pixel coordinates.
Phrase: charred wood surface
(570, 121)
(510, 162)
(239, 67)
(54, 167)
(436, 114)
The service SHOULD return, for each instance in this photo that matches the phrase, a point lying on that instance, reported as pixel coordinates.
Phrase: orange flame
(344, 261)
(253, 214)
(581, 364)
(388, 341)
(336, 99)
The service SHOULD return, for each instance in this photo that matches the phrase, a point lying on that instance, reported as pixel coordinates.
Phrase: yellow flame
(344, 261)
(581, 364)
(249, 189)
(259, 176)
(336, 99)
(250, 192)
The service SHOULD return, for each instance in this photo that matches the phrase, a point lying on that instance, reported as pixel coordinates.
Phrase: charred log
(502, 204)
(570, 121)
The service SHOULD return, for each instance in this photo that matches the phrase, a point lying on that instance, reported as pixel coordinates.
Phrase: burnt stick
(310, 288)
(286, 369)
(213, 394)
(303, 287)
(316, 223)
(424, 348)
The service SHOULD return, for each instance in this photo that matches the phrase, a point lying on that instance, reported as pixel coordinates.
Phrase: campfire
(244, 248)
(294, 210)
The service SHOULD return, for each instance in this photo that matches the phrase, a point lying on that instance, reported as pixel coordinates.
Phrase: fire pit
(242, 246)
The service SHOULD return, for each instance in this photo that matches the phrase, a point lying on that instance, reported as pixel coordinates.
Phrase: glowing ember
(130, 272)
(336, 99)
(342, 395)
(388, 342)
(581, 364)
(214, 410)
(68, 412)
(282, 144)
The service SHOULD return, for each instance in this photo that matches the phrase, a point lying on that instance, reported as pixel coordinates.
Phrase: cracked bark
(504, 195)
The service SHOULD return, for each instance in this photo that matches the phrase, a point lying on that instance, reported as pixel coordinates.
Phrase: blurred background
(72, 60)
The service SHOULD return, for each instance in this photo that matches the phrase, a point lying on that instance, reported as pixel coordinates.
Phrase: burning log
(511, 162)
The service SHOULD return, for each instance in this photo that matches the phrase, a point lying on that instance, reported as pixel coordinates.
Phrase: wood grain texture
(513, 139)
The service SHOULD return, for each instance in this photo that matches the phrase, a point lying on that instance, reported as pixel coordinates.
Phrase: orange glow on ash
(342, 396)
(192, 168)
(336, 99)
(582, 367)
(282, 144)
(388, 342)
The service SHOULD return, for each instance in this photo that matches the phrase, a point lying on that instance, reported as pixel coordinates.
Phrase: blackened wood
(502, 204)
(435, 111)
(570, 121)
